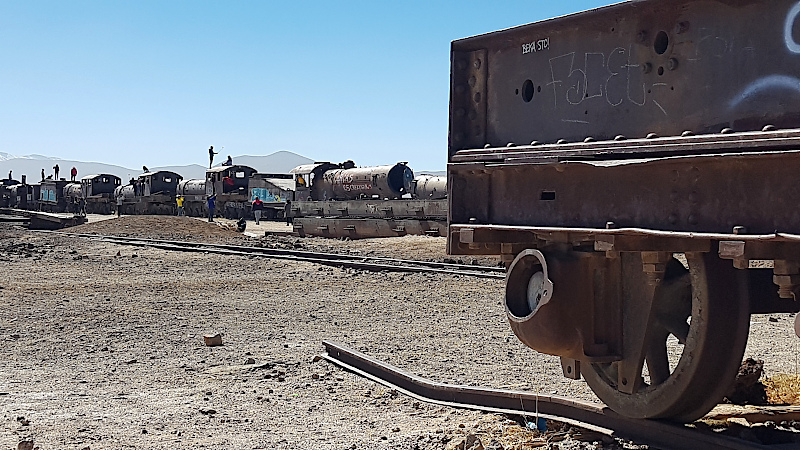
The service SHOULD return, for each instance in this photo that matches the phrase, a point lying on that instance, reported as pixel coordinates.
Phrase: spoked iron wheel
(699, 317)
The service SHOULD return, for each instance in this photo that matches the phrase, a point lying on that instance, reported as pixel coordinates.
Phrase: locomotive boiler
(628, 163)
(325, 181)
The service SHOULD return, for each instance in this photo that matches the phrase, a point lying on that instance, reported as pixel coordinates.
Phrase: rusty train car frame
(629, 163)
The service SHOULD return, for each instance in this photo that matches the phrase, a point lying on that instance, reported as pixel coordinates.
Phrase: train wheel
(693, 343)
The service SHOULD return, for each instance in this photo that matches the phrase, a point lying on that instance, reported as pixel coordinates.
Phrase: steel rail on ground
(592, 416)
(331, 259)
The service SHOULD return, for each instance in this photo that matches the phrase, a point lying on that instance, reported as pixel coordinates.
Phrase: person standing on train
(42, 174)
(55, 170)
(212, 203)
(211, 154)
(179, 201)
(258, 207)
(73, 173)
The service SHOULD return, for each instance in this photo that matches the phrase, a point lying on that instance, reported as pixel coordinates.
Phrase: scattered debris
(747, 389)
(213, 340)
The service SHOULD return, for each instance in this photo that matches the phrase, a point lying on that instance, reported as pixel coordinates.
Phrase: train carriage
(51, 195)
(230, 185)
(6, 197)
(150, 193)
(98, 192)
(20, 196)
(628, 163)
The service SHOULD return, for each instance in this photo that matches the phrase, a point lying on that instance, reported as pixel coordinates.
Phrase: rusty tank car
(629, 163)
(345, 201)
(380, 182)
(429, 187)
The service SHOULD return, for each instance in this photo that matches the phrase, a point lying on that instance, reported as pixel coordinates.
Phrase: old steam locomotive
(629, 164)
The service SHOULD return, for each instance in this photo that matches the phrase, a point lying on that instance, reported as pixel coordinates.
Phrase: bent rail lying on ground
(592, 416)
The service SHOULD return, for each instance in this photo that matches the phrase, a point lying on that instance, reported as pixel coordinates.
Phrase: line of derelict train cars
(235, 188)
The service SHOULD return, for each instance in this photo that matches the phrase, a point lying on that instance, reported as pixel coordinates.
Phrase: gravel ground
(103, 346)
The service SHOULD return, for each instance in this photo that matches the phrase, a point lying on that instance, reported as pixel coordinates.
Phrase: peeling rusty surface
(700, 194)
(630, 69)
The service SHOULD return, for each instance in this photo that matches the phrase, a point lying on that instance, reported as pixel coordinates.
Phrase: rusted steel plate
(761, 141)
(490, 237)
(700, 194)
(633, 68)
(414, 209)
(367, 228)
(589, 415)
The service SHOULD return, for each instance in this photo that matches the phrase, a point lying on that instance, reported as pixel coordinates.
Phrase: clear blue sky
(156, 82)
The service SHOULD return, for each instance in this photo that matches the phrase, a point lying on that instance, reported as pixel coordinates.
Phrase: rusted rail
(588, 415)
(332, 259)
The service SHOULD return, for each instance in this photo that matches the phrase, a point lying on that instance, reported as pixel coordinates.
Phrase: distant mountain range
(32, 165)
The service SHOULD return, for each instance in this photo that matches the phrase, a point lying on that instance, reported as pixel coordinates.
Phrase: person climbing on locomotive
(258, 207)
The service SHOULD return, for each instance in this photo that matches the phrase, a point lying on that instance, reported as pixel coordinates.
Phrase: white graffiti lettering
(356, 187)
(577, 78)
(536, 46)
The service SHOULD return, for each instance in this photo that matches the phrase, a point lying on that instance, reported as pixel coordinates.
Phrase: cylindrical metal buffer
(429, 187)
(541, 320)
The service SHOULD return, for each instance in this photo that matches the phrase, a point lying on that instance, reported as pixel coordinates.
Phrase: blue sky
(156, 82)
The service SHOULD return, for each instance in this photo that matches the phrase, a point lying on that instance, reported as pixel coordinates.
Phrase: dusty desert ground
(102, 346)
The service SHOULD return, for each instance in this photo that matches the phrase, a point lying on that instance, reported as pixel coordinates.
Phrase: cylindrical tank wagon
(384, 182)
(324, 181)
(429, 187)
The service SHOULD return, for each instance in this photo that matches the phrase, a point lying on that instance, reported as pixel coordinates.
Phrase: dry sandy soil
(102, 346)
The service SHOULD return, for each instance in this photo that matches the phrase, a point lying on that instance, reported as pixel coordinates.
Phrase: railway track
(663, 435)
(331, 259)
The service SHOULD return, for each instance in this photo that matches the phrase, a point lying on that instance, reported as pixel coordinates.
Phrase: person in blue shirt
(211, 204)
